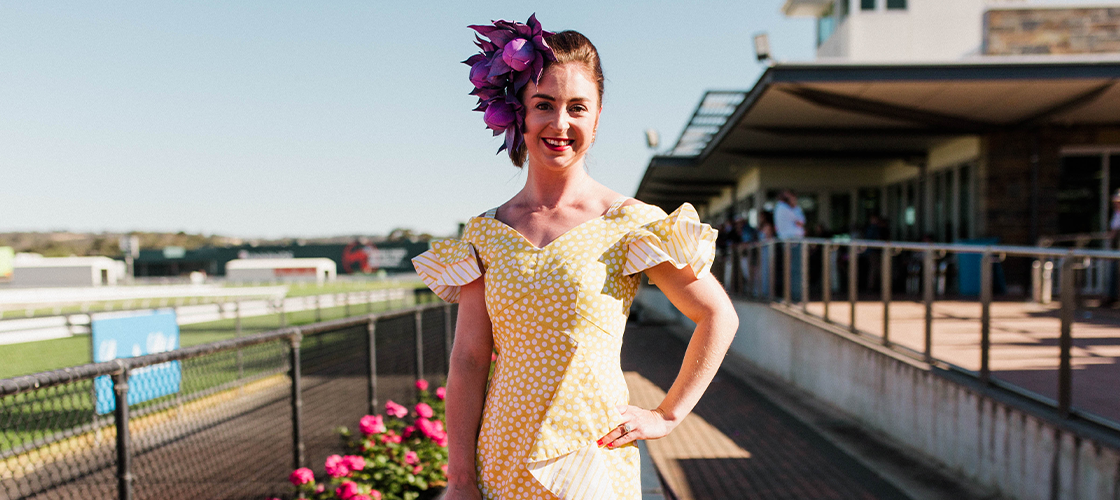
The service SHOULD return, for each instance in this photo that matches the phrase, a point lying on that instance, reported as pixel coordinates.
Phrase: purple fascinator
(512, 54)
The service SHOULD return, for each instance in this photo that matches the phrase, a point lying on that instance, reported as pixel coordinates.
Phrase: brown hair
(569, 47)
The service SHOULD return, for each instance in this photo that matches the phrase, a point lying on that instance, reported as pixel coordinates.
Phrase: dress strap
(617, 204)
(490, 213)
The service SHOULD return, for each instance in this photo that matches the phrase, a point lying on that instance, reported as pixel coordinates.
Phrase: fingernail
(599, 442)
(611, 446)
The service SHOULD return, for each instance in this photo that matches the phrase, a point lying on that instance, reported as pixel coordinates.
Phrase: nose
(559, 121)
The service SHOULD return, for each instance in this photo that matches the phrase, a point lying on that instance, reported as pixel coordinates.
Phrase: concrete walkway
(737, 444)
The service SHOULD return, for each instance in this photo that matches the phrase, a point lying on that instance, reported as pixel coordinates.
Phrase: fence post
(371, 344)
(885, 290)
(318, 309)
(927, 299)
(419, 346)
(448, 332)
(804, 277)
(1065, 342)
(237, 334)
(826, 278)
(120, 413)
(985, 316)
(787, 260)
(771, 270)
(853, 284)
(297, 401)
(283, 314)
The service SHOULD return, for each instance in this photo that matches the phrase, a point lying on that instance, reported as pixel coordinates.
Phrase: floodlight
(652, 139)
(762, 46)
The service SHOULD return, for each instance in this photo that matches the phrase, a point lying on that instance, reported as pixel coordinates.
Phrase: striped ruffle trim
(579, 475)
(449, 265)
(680, 239)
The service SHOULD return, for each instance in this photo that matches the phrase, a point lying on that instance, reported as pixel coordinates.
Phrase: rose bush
(399, 456)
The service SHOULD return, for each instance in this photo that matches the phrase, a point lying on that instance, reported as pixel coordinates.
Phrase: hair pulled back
(569, 47)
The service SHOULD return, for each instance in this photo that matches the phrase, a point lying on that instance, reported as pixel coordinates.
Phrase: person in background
(789, 222)
(765, 234)
(1113, 268)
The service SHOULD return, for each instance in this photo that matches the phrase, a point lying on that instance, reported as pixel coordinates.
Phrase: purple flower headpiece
(514, 54)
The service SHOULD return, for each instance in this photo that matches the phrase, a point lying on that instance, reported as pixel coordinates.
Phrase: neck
(547, 188)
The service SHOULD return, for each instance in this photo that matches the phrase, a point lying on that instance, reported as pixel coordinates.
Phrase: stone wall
(1052, 31)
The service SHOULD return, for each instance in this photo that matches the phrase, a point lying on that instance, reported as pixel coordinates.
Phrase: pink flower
(443, 468)
(301, 476)
(371, 424)
(411, 458)
(424, 410)
(441, 392)
(395, 410)
(360, 497)
(336, 466)
(347, 490)
(354, 462)
(422, 384)
(320, 488)
(493, 356)
(438, 425)
(417, 469)
(376, 495)
(408, 431)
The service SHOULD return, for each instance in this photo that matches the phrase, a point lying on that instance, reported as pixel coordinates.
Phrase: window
(867, 4)
(826, 24)
(896, 4)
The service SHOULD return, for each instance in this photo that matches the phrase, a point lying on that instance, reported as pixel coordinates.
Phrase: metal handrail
(1070, 260)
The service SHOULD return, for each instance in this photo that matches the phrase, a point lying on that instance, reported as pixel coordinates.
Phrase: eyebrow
(553, 99)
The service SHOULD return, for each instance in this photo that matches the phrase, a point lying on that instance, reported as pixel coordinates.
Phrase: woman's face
(561, 115)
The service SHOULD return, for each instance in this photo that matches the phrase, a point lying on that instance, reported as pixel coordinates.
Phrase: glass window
(826, 24)
(896, 4)
(843, 9)
(1079, 195)
(867, 4)
(964, 226)
(839, 213)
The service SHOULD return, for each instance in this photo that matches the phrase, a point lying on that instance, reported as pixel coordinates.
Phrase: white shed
(317, 270)
(34, 270)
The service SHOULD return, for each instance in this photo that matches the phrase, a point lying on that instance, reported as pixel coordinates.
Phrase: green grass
(304, 289)
(44, 355)
(294, 290)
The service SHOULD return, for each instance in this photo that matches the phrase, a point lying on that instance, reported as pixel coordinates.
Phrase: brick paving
(736, 444)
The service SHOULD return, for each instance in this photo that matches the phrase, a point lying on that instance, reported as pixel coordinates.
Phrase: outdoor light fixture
(652, 139)
(762, 46)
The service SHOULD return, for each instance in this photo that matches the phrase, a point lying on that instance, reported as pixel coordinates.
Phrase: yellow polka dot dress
(558, 316)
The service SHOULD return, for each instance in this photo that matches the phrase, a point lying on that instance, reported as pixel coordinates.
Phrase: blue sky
(276, 119)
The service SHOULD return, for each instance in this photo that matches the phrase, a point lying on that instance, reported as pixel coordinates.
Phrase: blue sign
(131, 336)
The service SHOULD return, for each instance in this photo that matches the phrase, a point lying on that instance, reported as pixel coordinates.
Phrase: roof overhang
(829, 112)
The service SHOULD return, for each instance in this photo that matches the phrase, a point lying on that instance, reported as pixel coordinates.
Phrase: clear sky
(276, 118)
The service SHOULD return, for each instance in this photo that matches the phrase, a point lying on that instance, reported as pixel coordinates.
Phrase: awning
(832, 112)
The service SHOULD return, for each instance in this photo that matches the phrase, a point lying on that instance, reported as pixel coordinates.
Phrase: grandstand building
(952, 120)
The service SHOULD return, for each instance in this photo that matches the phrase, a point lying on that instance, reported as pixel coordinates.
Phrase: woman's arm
(466, 389)
(704, 302)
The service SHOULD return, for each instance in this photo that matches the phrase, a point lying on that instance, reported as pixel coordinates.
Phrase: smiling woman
(546, 280)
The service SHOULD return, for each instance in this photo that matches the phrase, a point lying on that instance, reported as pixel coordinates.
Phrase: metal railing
(780, 271)
(222, 431)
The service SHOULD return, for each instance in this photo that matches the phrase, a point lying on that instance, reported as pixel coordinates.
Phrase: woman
(559, 265)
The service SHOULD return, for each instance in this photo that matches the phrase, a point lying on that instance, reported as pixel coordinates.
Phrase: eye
(543, 106)
(578, 108)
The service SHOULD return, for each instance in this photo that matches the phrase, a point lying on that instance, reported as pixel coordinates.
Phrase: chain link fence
(237, 415)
